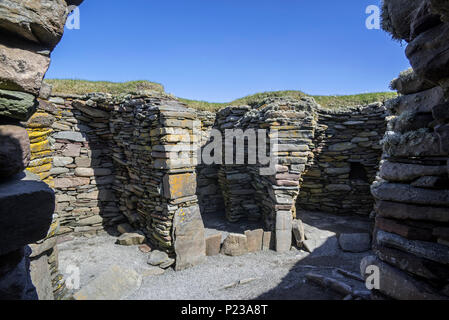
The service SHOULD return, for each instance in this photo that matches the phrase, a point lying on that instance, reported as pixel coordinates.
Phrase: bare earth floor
(263, 275)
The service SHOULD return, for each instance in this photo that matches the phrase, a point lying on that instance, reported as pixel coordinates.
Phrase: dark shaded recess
(358, 172)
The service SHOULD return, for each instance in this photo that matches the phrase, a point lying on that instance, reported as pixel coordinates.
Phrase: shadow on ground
(324, 260)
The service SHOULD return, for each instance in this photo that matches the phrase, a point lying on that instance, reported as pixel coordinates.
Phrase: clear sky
(220, 50)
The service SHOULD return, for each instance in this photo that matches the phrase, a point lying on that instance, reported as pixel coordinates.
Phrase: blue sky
(220, 50)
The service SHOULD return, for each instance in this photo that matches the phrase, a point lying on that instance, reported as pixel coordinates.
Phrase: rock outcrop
(29, 32)
(38, 21)
(411, 236)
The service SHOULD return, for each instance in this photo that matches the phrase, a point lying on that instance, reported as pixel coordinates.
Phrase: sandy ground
(264, 275)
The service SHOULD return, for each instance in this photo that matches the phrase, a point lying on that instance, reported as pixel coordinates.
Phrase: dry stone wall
(235, 180)
(412, 187)
(131, 159)
(122, 159)
(326, 160)
(347, 152)
(156, 181)
(83, 170)
(209, 193)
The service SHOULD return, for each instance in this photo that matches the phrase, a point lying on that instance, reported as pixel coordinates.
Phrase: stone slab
(41, 277)
(179, 185)
(17, 105)
(235, 245)
(403, 172)
(26, 209)
(22, 68)
(116, 283)
(397, 284)
(15, 153)
(213, 245)
(413, 264)
(404, 211)
(189, 237)
(427, 250)
(284, 221)
(254, 240)
(298, 232)
(70, 135)
(408, 194)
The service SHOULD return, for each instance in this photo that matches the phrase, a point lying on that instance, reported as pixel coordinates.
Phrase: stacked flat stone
(347, 154)
(39, 128)
(26, 203)
(209, 193)
(271, 198)
(295, 123)
(49, 283)
(82, 167)
(412, 189)
(328, 157)
(235, 180)
(154, 152)
(118, 158)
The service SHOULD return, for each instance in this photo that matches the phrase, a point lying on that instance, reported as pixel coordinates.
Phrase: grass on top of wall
(332, 102)
(81, 87)
(354, 100)
(203, 105)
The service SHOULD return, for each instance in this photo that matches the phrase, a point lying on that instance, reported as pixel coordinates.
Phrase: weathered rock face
(412, 189)
(17, 105)
(15, 151)
(407, 172)
(29, 31)
(190, 242)
(39, 21)
(44, 270)
(213, 245)
(116, 283)
(428, 53)
(408, 83)
(397, 15)
(440, 7)
(423, 19)
(22, 67)
(235, 245)
(32, 203)
(398, 284)
(15, 280)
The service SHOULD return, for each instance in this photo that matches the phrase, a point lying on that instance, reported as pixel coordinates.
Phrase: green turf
(81, 87)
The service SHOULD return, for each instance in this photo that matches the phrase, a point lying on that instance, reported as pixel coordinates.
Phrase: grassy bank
(324, 101)
(82, 87)
(68, 86)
